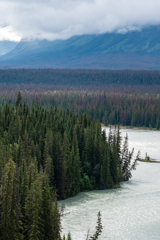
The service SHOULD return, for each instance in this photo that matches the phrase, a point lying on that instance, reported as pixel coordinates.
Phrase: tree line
(136, 106)
(50, 154)
(79, 77)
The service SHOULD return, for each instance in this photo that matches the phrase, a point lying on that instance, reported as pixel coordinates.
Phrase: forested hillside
(137, 106)
(78, 77)
(50, 154)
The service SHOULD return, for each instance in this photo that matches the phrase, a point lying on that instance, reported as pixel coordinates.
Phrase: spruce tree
(33, 210)
(19, 99)
(10, 213)
(46, 206)
(98, 228)
(75, 165)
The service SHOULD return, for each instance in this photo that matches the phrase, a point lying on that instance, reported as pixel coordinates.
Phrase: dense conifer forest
(50, 154)
(79, 77)
(51, 142)
(137, 106)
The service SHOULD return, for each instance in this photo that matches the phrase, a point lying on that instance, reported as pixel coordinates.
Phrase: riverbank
(130, 127)
(149, 161)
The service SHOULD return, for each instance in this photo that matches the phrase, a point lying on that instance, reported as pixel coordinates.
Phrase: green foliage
(127, 104)
(98, 228)
(86, 183)
(50, 154)
(19, 99)
(78, 77)
(69, 236)
(10, 210)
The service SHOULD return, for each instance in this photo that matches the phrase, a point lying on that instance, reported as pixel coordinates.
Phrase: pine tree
(75, 165)
(114, 162)
(126, 157)
(46, 206)
(19, 99)
(56, 221)
(24, 185)
(10, 214)
(33, 209)
(15, 215)
(105, 180)
(98, 228)
(19, 151)
(69, 236)
(64, 162)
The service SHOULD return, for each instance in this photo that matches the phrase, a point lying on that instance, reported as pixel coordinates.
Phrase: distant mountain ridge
(132, 50)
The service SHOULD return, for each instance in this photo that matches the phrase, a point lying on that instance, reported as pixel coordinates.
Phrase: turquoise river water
(131, 212)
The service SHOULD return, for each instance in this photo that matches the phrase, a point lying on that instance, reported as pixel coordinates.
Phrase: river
(131, 212)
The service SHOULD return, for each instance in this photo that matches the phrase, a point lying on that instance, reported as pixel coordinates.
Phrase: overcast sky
(60, 19)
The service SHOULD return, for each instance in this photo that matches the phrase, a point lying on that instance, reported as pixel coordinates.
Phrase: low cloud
(60, 19)
(7, 33)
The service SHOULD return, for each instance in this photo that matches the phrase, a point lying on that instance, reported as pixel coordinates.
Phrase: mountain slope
(132, 50)
(6, 46)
